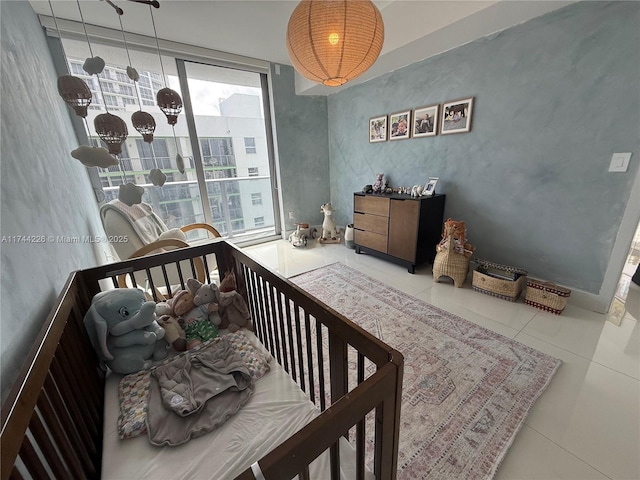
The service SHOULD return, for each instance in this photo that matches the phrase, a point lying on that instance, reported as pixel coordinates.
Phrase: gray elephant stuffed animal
(122, 326)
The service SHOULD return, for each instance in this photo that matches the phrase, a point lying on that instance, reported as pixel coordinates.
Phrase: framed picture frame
(430, 188)
(425, 121)
(399, 128)
(378, 129)
(456, 116)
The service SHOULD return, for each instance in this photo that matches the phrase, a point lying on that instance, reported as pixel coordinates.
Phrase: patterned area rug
(466, 389)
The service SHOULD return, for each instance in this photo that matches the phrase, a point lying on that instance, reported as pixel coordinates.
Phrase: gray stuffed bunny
(123, 330)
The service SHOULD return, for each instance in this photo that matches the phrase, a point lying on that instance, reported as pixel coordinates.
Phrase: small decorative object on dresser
(377, 185)
(430, 187)
(546, 296)
(500, 281)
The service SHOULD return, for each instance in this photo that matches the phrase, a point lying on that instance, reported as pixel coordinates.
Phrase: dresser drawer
(371, 223)
(372, 205)
(371, 240)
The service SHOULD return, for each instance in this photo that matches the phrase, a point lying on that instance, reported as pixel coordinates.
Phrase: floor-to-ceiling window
(221, 136)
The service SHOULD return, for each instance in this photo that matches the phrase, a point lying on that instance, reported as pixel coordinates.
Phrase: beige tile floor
(586, 425)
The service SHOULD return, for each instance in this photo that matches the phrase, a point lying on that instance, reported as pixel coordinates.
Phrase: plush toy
(377, 185)
(174, 333)
(416, 190)
(203, 293)
(197, 326)
(123, 330)
(329, 229)
(458, 232)
(233, 308)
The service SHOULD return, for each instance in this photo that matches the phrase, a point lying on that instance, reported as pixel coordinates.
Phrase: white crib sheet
(277, 409)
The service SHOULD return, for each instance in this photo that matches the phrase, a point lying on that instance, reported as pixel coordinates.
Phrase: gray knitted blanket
(194, 394)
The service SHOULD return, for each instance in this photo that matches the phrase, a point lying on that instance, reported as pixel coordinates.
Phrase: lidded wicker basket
(500, 281)
(546, 296)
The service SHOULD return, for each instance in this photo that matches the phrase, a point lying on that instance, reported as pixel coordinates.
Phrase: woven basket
(546, 296)
(448, 263)
(486, 281)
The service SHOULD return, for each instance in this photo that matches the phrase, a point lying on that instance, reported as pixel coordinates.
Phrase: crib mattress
(277, 409)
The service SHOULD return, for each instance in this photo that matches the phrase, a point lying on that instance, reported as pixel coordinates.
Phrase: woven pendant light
(144, 123)
(334, 41)
(170, 103)
(75, 93)
(112, 130)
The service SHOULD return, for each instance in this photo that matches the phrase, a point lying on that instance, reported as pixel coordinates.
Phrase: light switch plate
(619, 162)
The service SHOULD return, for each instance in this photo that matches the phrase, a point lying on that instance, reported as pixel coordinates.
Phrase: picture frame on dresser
(378, 129)
(425, 121)
(456, 116)
(430, 187)
(399, 125)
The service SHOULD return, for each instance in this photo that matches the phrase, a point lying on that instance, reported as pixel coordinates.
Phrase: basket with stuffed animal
(546, 296)
(452, 254)
(497, 280)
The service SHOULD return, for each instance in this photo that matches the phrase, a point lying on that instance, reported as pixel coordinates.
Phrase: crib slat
(70, 454)
(360, 428)
(267, 317)
(46, 447)
(180, 276)
(274, 324)
(77, 384)
(32, 461)
(304, 474)
(78, 447)
(290, 335)
(261, 314)
(254, 299)
(307, 327)
(15, 474)
(71, 400)
(283, 333)
(335, 461)
(320, 365)
(296, 315)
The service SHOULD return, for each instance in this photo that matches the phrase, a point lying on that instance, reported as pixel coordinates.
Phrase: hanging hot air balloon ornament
(75, 92)
(144, 123)
(170, 103)
(112, 130)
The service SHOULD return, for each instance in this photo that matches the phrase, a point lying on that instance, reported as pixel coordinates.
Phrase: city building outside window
(249, 145)
(253, 171)
(258, 221)
(256, 199)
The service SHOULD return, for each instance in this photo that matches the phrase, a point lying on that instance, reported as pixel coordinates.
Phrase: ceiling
(414, 29)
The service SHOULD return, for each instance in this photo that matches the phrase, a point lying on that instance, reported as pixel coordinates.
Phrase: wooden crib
(52, 424)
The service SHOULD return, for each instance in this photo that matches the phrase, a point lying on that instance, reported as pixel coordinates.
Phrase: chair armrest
(206, 226)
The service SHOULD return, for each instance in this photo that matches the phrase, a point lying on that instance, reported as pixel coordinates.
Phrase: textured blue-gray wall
(554, 98)
(44, 191)
(303, 149)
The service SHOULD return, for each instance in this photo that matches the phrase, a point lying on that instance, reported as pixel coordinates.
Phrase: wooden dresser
(398, 227)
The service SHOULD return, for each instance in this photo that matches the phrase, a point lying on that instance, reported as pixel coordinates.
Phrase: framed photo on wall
(378, 129)
(456, 116)
(425, 121)
(399, 125)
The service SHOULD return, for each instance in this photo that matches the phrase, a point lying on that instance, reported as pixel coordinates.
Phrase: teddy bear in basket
(457, 231)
